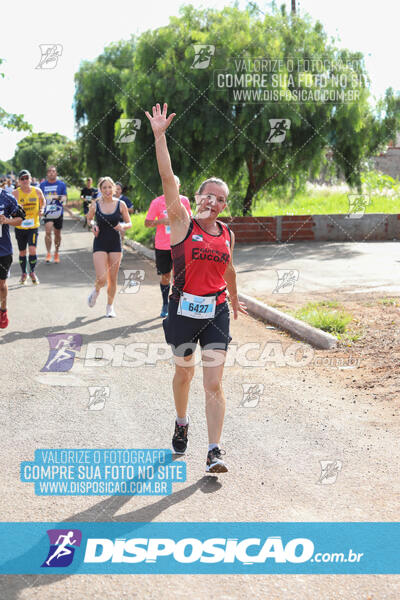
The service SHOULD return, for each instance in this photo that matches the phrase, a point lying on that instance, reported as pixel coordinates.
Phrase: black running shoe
(180, 439)
(215, 464)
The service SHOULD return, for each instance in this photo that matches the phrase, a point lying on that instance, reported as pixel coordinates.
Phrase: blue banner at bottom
(220, 548)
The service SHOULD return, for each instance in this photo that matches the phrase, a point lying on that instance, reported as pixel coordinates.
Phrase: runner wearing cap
(112, 218)
(198, 310)
(32, 201)
(157, 217)
(55, 193)
(10, 214)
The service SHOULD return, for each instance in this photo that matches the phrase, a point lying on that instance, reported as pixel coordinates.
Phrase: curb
(71, 214)
(141, 249)
(297, 328)
(312, 335)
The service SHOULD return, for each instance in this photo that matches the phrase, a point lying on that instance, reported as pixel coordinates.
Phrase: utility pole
(293, 7)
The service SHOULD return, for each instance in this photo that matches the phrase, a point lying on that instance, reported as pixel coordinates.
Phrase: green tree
(216, 135)
(5, 167)
(98, 108)
(69, 164)
(33, 152)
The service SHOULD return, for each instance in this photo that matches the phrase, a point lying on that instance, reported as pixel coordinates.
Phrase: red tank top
(200, 261)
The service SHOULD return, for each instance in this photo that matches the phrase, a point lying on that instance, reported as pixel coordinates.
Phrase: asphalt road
(273, 444)
(353, 267)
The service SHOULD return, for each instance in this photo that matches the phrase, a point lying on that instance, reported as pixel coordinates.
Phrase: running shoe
(215, 464)
(34, 278)
(56, 257)
(164, 311)
(48, 257)
(3, 319)
(24, 279)
(180, 438)
(110, 312)
(93, 297)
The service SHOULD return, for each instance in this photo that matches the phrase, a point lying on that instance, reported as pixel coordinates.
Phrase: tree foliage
(68, 160)
(214, 134)
(98, 108)
(5, 167)
(34, 151)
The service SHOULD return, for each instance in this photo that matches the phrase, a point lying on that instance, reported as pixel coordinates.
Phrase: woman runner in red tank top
(198, 311)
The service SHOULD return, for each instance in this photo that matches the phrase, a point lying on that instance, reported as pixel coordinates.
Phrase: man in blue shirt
(10, 214)
(55, 193)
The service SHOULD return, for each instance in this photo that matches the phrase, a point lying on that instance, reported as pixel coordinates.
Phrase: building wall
(389, 162)
(369, 227)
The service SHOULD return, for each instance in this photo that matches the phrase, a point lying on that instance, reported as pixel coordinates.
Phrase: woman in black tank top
(112, 217)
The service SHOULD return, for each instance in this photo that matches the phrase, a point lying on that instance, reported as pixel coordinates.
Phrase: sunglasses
(24, 178)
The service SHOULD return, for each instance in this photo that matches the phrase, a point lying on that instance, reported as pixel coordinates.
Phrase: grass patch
(321, 203)
(140, 233)
(325, 315)
(350, 336)
(74, 194)
(389, 301)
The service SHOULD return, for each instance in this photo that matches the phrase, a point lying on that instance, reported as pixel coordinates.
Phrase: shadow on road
(104, 511)
(103, 335)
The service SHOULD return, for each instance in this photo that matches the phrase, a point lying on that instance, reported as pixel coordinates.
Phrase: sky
(45, 96)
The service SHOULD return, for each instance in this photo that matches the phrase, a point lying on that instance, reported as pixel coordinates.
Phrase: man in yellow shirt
(31, 199)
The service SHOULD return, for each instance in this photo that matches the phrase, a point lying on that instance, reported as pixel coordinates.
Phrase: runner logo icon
(62, 547)
(286, 281)
(329, 471)
(251, 394)
(50, 54)
(128, 130)
(203, 55)
(133, 279)
(279, 128)
(62, 351)
(98, 397)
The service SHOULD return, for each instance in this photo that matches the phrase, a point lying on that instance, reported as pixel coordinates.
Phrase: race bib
(196, 307)
(53, 211)
(28, 223)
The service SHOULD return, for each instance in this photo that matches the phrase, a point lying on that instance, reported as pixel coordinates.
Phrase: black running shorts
(183, 333)
(163, 261)
(5, 264)
(26, 237)
(58, 223)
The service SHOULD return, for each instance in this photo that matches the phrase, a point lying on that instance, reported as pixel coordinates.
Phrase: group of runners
(22, 208)
(197, 249)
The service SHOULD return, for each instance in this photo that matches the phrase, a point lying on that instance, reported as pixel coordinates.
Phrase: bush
(324, 316)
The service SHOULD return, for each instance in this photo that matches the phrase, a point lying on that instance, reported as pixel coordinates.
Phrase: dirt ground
(372, 362)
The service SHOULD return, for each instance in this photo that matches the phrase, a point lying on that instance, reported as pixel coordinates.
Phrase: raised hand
(159, 121)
